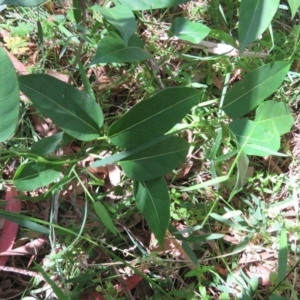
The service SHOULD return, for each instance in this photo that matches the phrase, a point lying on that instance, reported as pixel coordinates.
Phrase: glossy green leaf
(74, 111)
(27, 3)
(153, 117)
(31, 176)
(255, 17)
(47, 145)
(223, 36)
(294, 6)
(9, 97)
(157, 160)
(105, 217)
(153, 201)
(149, 4)
(112, 49)
(254, 88)
(188, 31)
(274, 115)
(121, 17)
(254, 139)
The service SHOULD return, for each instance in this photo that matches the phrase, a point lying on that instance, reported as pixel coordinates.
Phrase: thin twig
(220, 49)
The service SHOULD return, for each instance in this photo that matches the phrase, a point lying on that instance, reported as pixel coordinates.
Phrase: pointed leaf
(294, 6)
(121, 17)
(255, 18)
(274, 115)
(74, 111)
(149, 4)
(113, 49)
(153, 117)
(188, 31)
(105, 217)
(47, 145)
(23, 2)
(153, 201)
(157, 160)
(250, 133)
(9, 97)
(31, 176)
(254, 88)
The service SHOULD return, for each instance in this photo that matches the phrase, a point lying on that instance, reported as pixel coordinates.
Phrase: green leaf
(254, 88)
(74, 111)
(112, 49)
(253, 138)
(188, 31)
(153, 117)
(60, 294)
(283, 254)
(228, 222)
(294, 6)
(31, 176)
(255, 18)
(222, 36)
(24, 221)
(121, 17)
(205, 184)
(153, 201)
(47, 145)
(9, 97)
(149, 4)
(157, 160)
(274, 115)
(23, 2)
(77, 11)
(105, 217)
(242, 168)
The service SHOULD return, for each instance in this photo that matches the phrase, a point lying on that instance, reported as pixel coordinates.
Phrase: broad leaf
(47, 145)
(153, 201)
(112, 49)
(294, 6)
(274, 115)
(153, 117)
(74, 111)
(253, 139)
(254, 88)
(31, 176)
(23, 2)
(157, 160)
(149, 4)
(188, 31)
(121, 17)
(105, 217)
(255, 17)
(9, 97)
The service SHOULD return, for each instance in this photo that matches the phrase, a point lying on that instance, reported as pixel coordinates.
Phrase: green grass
(228, 241)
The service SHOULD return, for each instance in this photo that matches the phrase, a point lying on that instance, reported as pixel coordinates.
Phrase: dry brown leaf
(114, 174)
(31, 248)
